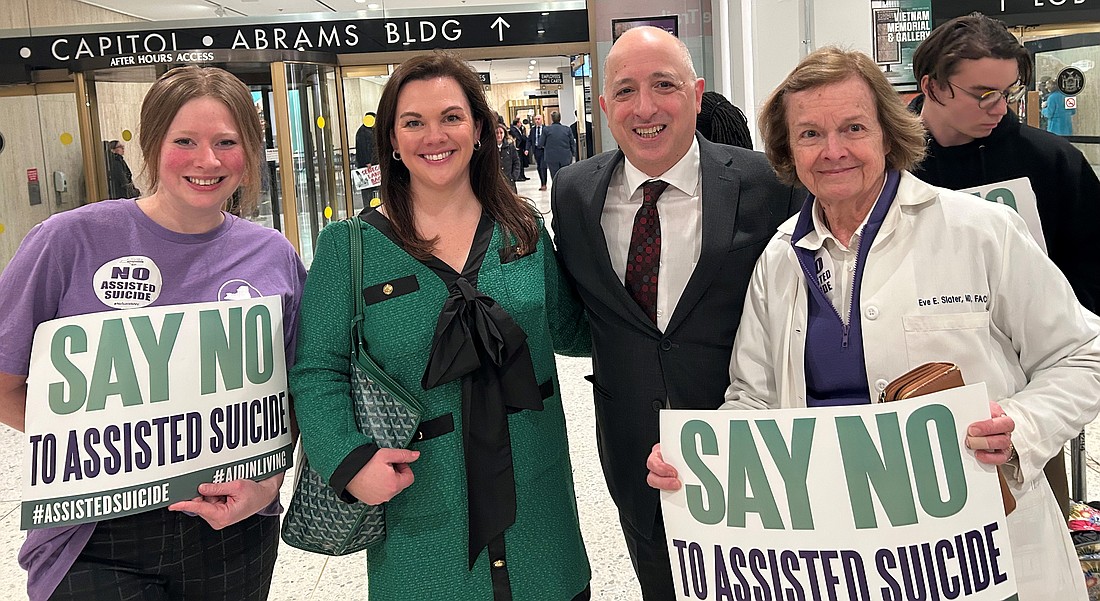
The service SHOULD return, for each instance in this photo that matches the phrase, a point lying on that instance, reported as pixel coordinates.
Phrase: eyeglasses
(990, 99)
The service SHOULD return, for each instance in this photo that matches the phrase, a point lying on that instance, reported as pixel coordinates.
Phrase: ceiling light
(372, 6)
(361, 1)
(534, 62)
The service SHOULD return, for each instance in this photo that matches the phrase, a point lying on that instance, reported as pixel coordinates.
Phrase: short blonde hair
(181, 85)
(902, 131)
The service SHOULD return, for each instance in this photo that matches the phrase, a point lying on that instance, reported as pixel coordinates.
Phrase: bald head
(651, 96)
(639, 37)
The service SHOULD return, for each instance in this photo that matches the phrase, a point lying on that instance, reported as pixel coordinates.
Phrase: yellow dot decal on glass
(66, 138)
(368, 120)
(321, 122)
(1, 228)
(127, 135)
(375, 203)
(328, 212)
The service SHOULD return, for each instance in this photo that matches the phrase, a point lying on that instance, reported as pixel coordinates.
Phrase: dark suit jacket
(558, 144)
(637, 370)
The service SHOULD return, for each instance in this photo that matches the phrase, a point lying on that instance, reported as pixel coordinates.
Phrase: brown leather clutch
(936, 377)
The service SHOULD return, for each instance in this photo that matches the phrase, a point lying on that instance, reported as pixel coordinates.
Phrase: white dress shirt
(681, 209)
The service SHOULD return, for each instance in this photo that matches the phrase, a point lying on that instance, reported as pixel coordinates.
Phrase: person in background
(558, 145)
(120, 181)
(465, 306)
(520, 138)
(588, 138)
(509, 158)
(1059, 119)
(537, 140)
(844, 279)
(365, 153)
(969, 70)
(722, 122)
(661, 338)
(202, 141)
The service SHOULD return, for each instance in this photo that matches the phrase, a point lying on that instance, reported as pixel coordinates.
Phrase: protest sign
(131, 410)
(878, 502)
(367, 177)
(1019, 195)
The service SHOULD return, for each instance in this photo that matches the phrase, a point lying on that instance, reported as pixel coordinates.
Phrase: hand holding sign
(662, 476)
(226, 503)
(991, 439)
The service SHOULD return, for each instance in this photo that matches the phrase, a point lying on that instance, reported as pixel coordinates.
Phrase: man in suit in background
(663, 314)
(558, 146)
(588, 146)
(537, 140)
(520, 138)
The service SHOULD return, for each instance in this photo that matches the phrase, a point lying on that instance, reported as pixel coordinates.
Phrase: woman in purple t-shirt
(200, 136)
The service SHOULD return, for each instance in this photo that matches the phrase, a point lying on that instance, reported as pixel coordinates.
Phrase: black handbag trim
(348, 468)
(435, 427)
(547, 389)
(391, 289)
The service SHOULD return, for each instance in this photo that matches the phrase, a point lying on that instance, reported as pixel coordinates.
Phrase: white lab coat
(950, 277)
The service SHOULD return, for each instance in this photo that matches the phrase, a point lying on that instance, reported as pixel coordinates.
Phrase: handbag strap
(358, 337)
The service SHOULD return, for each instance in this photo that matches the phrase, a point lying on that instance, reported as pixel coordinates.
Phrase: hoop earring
(477, 145)
(396, 155)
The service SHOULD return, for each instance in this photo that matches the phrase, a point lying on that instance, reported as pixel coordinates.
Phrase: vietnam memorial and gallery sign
(876, 502)
(131, 410)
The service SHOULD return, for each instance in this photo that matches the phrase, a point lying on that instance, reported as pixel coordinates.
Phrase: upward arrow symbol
(500, 24)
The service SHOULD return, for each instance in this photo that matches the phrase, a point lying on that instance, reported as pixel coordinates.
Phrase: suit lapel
(721, 195)
(605, 273)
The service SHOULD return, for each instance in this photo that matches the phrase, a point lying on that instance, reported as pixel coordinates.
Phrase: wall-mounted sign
(899, 27)
(1071, 81)
(668, 23)
(551, 81)
(1019, 12)
(335, 36)
(486, 79)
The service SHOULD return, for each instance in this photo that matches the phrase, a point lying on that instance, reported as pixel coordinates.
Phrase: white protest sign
(1018, 194)
(874, 502)
(131, 410)
(367, 177)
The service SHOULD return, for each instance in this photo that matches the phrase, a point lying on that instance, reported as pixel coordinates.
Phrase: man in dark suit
(516, 131)
(664, 343)
(537, 140)
(558, 146)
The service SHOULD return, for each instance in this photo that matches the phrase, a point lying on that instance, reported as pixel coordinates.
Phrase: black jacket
(509, 161)
(120, 181)
(1066, 188)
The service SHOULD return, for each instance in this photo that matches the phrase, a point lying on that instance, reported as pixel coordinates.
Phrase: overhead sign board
(1019, 12)
(331, 36)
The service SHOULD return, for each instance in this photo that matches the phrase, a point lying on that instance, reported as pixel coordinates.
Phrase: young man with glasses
(972, 71)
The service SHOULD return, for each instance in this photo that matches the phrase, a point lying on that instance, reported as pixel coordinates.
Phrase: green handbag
(317, 520)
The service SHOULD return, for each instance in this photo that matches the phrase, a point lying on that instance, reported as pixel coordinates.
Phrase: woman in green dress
(465, 306)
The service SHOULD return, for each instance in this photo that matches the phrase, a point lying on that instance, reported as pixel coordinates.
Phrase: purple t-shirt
(63, 268)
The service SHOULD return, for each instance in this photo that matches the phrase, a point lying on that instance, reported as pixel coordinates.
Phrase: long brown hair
(181, 85)
(514, 215)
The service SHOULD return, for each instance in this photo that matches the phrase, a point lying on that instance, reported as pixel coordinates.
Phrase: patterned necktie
(644, 256)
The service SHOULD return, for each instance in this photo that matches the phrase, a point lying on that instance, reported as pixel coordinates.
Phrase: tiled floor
(301, 576)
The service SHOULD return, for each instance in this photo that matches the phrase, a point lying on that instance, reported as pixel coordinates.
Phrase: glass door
(1068, 86)
(308, 128)
(41, 162)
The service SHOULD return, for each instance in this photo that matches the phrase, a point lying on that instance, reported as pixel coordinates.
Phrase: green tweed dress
(425, 554)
